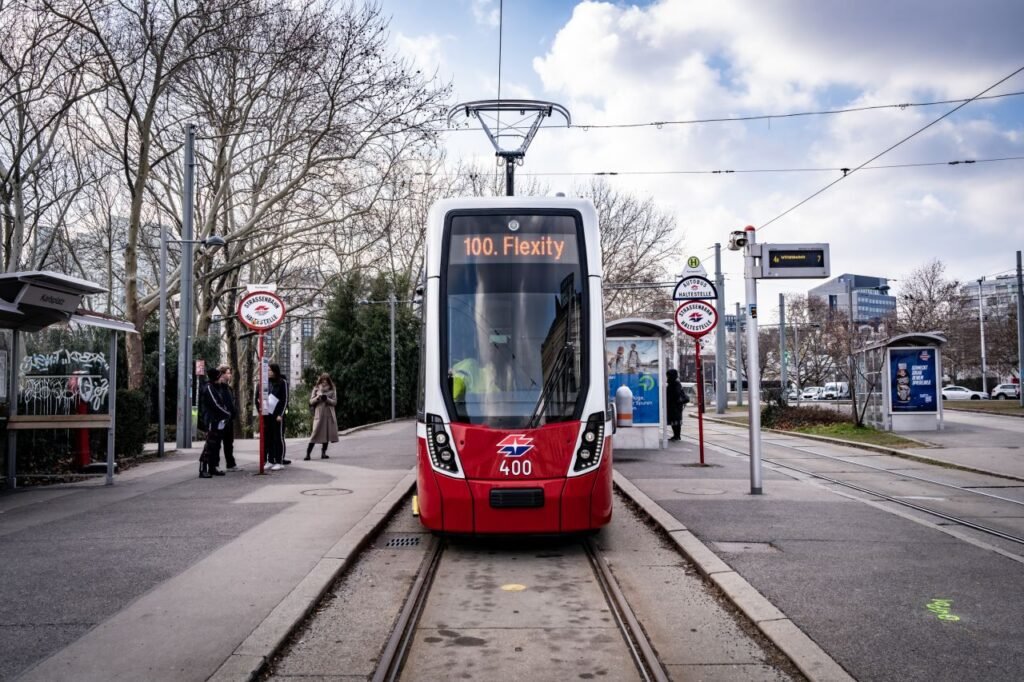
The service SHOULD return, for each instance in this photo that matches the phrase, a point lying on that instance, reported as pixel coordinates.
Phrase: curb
(805, 654)
(992, 413)
(361, 427)
(252, 655)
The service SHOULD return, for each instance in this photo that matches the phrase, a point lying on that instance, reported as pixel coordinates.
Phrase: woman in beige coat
(325, 424)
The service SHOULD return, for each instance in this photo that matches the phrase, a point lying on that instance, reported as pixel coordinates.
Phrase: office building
(870, 295)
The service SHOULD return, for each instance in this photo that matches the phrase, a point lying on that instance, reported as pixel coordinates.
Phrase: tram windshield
(515, 320)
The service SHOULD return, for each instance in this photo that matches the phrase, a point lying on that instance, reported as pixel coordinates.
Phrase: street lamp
(392, 301)
(183, 435)
(981, 324)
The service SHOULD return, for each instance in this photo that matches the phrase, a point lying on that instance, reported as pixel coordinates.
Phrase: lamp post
(981, 325)
(183, 435)
(392, 302)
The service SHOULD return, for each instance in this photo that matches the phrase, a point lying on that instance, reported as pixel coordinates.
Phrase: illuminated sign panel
(513, 239)
(792, 261)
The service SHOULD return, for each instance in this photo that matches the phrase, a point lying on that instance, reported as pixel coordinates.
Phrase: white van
(836, 390)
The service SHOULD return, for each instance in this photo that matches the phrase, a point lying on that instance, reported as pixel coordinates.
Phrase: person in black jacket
(676, 398)
(214, 416)
(228, 400)
(273, 420)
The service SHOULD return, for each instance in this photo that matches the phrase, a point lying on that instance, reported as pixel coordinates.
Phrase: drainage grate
(403, 541)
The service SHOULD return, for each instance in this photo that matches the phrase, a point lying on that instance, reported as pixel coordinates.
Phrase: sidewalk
(165, 576)
(854, 575)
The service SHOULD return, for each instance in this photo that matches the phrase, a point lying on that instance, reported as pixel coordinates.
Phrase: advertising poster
(913, 383)
(634, 363)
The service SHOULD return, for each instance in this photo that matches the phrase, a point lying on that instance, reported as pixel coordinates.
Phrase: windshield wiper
(563, 363)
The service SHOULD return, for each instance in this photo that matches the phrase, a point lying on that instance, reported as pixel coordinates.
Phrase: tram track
(393, 658)
(995, 532)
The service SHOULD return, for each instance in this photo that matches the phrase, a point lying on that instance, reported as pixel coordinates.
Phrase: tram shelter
(58, 368)
(635, 361)
(899, 382)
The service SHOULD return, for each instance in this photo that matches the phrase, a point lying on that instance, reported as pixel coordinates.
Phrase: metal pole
(783, 380)
(796, 364)
(721, 381)
(263, 401)
(700, 400)
(739, 357)
(391, 303)
(675, 350)
(753, 364)
(162, 364)
(1020, 330)
(850, 361)
(13, 363)
(184, 430)
(112, 408)
(981, 324)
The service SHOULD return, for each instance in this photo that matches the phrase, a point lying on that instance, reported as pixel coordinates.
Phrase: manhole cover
(401, 542)
(700, 491)
(327, 492)
(745, 547)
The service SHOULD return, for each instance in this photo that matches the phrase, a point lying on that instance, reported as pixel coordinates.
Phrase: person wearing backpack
(677, 399)
(214, 417)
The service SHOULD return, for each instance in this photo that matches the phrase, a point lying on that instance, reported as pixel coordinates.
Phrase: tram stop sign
(696, 318)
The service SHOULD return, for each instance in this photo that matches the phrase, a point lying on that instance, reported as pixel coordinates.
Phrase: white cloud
(486, 13)
(678, 60)
(426, 52)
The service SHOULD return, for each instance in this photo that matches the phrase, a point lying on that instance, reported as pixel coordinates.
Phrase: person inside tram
(469, 377)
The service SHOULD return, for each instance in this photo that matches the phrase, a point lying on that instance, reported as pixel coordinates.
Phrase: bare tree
(43, 164)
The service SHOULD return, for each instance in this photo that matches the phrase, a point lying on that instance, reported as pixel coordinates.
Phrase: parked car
(811, 393)
(836, 390)
(792, 394)
(962, 393)
(1004, 391)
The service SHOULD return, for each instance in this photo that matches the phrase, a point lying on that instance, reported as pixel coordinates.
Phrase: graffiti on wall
(64, 382)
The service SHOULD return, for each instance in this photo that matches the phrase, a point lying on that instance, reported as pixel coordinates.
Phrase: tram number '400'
(516, 467)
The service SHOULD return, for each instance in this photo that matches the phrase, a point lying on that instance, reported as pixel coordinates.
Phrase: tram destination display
(513, 239)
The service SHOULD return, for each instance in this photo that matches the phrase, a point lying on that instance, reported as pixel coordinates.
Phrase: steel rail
(934, 512)
(389, 667)
(647, 662)
(890, 471)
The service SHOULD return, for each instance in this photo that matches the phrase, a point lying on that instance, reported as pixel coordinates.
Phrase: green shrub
(298, 422)
(786, 418)
(132, 423)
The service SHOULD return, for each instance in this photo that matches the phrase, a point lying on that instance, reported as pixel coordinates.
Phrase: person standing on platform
(214, 417)
(676, 399)
(273, 419)
(228, 400)
(325, 423)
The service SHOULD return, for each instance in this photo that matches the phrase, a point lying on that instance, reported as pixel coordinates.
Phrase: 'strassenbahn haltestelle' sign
(261, 311)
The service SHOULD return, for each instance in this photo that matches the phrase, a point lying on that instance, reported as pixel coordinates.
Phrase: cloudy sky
(679, 60)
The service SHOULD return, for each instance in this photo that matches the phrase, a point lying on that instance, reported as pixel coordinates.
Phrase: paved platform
(853, 576)
(165, 576)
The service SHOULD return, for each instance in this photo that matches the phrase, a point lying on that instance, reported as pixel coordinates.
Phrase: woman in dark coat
(676, 398)
(325, 423)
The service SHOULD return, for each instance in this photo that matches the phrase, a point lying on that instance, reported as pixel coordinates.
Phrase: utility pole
(750, 256)
(739, 357)
(782, 348)
(981, 325)
(184, 426)
(391, 301)
(1020, 331)
(721, 380)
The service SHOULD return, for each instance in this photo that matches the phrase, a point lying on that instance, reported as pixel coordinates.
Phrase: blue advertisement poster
(913, 382)
(634, 363)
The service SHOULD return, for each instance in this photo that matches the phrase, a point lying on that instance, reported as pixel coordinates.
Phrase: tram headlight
(441, 453)
(589, 454)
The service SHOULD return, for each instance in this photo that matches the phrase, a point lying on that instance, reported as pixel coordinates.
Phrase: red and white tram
(514, 430)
